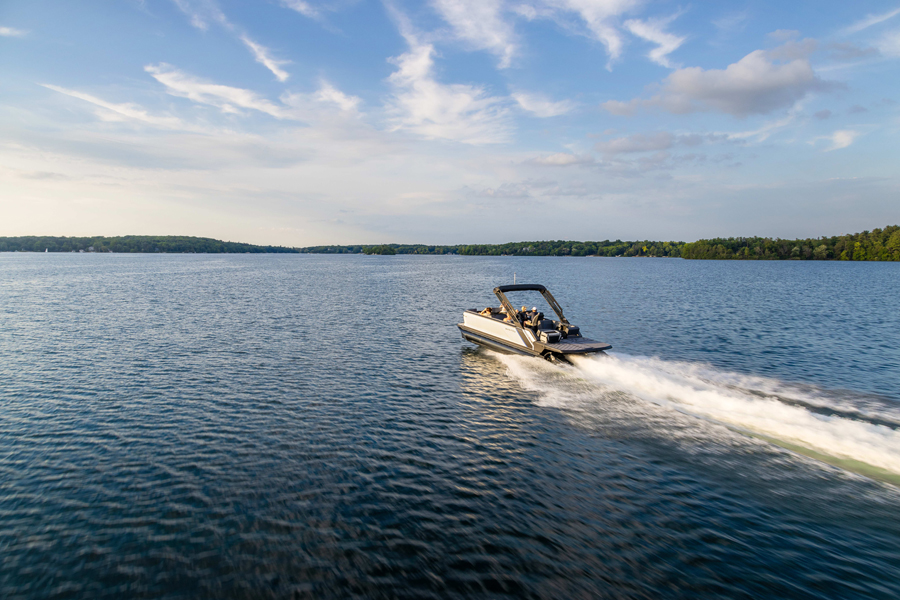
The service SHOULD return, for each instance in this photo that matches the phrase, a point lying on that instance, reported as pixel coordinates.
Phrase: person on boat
(487, 312)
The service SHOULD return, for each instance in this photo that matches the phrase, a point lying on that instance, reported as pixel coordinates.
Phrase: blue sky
(305, 122)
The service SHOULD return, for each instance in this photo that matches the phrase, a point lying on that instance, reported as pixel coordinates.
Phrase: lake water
(293, 426)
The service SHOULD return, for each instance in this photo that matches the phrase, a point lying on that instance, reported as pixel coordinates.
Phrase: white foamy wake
(758, 405)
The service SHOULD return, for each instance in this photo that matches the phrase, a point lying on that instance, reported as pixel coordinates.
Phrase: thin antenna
(514, 279)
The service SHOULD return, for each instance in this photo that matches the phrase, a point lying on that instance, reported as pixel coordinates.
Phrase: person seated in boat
(523, 315)
(487, 312)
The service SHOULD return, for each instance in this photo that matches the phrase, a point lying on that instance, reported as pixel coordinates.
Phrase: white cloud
(262, 56)
(841, 138)
(226, 98)
(304, 8)
(600, 18)
(562, 159)
(120, 112)
(329, 94)
(870, 20)
(10, 32)
(756, 84)
(458, 112)
(653, 30)
(481, 24)
(540, 106)
(201, 12)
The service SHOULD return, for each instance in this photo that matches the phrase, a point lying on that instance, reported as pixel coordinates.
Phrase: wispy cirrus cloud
(870, 20)
(226, 98)
(203, 12)
(264, 58)
(111, 111)
(329, 94)
(600, 17)
(540, 106)
(327, 101)
(304, 8)
(11, 32)
(421, 104)
(765, 131)
(654, 31)
(482, 25)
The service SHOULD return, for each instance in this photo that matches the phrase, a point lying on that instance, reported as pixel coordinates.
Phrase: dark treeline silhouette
(131, 243)
(878, 244)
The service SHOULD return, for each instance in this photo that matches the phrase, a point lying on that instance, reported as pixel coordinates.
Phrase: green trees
(878, 244)
(131, 243)
(383, 249)
(546, 248)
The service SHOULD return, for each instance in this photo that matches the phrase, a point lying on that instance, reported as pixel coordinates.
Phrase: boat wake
(857, 433)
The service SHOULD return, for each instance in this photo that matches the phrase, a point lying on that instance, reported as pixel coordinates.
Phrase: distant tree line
(557, 248)
(383, 249)
(131, 243)
(878, 244)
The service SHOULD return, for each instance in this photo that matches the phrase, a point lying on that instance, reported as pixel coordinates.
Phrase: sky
(306, 122)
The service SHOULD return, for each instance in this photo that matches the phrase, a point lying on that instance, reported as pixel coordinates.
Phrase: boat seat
(547, 325)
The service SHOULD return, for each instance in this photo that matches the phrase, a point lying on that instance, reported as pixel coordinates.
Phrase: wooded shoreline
(874, 245)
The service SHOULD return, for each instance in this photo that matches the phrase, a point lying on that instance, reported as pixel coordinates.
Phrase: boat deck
(579, 345)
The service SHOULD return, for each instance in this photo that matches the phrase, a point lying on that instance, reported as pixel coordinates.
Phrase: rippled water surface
(244, 426)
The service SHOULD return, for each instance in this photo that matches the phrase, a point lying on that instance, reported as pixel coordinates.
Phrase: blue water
(293, 426)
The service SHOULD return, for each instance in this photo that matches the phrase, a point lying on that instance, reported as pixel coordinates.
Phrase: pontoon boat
(512, 331)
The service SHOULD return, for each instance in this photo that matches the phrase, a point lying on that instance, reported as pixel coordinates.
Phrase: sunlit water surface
(189, 426)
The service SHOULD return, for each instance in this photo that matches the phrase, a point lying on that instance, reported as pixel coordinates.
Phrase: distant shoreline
(126, 244)
(874, 245)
